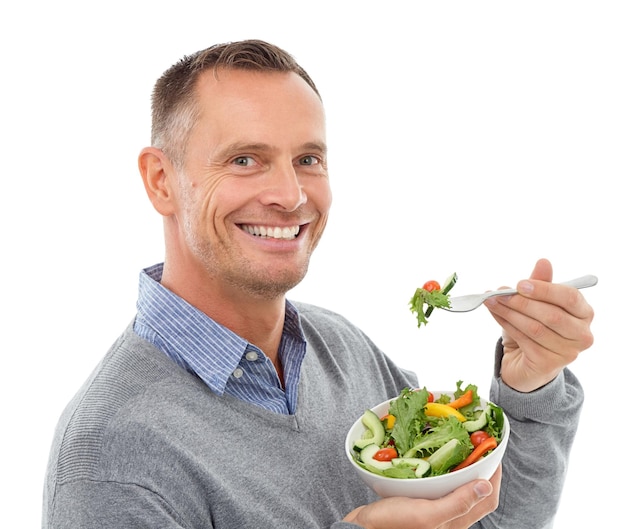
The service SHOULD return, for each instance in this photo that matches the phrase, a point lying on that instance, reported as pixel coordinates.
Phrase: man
(223, 404)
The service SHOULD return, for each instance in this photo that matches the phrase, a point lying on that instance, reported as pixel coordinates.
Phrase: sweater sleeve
(543, 427)
(84, 504)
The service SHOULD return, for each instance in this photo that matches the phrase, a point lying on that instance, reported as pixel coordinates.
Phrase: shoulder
(321, 325)
(313, 316)
(130, 367)
(341, 346)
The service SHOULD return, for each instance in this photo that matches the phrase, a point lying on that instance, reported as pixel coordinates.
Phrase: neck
(258, 320)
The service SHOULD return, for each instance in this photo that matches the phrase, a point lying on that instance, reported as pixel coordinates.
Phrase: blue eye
(309, 160)
(243, 161)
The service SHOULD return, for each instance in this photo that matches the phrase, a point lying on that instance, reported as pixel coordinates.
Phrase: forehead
(230, 78)
(224, 93)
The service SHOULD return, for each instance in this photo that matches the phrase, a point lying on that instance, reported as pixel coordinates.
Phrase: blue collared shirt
(227, 363)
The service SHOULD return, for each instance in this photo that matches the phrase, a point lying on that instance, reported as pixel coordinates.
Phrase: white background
(465, 136)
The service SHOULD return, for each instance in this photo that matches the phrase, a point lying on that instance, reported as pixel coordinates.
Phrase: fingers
(458, 510)
(470, 503)
(549, 336)
(555, 316)
(552, 315)
(568, 298)
(542, 270)
(545, 327)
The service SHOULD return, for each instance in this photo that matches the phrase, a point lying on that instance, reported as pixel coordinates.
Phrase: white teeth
(272, 232)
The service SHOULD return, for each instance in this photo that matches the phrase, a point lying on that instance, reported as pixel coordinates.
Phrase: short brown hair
(173, 99)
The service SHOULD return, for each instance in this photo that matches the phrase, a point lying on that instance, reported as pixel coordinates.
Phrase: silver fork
(473, 301)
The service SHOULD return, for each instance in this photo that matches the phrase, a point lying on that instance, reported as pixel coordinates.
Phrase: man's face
(253, 197)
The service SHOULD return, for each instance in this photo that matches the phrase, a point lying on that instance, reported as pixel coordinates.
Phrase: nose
(283, 188)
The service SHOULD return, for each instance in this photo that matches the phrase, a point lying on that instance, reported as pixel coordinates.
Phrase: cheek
(217, 196)
(321, 196)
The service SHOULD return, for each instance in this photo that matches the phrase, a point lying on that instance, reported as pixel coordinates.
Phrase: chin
(273, 287)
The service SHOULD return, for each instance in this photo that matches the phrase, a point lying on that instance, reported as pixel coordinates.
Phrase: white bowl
(429, 487)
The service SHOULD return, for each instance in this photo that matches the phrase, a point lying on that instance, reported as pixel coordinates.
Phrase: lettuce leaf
(408, 409)
(423, 299)
(446, 430)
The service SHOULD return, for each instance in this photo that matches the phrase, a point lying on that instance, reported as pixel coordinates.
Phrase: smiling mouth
(272, 232)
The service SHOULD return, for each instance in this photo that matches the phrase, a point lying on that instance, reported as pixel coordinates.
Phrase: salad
(430, 296)
(421, 436)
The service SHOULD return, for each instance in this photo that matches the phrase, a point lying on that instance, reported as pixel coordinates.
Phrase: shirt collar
(209, 349)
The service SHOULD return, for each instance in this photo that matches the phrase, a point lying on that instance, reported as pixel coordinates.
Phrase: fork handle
(582, 282)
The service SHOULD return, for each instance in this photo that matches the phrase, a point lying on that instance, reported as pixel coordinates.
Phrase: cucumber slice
(375, 433)
(367, 457)
(450, 282)
(406, 461)
(447, 456)
(421, 466)
(477, 424)
(422, 469)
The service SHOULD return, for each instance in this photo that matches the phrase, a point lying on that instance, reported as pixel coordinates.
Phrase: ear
(158, 177)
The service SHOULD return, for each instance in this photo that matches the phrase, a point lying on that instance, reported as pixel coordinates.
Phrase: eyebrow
(242, 147)
(316, 146)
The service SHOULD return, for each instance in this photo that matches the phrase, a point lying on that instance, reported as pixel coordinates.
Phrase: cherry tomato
(386, 454)
(431, 285)
(478, 437)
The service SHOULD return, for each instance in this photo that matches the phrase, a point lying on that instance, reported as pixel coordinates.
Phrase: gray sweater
(145, 444)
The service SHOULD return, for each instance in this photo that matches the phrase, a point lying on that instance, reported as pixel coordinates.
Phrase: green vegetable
(436, 437)
(449, 455)
(444, 398)
(423, 301)
(374, 432)
(407, 468)
(408, 409)
(450, 282)
(401, 472)
(367, 456)
(423, 298)
(477, 424)
(445, 289)
(426, 445)
(495, 421)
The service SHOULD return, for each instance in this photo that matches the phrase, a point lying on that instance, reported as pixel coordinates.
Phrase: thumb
(461, 501)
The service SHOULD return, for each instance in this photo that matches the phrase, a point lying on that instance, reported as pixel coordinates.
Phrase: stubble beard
(263, 286)
(231, 267)
(227, 263)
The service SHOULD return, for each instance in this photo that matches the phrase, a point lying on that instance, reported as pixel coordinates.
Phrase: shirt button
(238, 373)
(251, 356)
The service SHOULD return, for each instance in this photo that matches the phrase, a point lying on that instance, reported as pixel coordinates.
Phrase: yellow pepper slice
(436, 409)
(390, 421)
